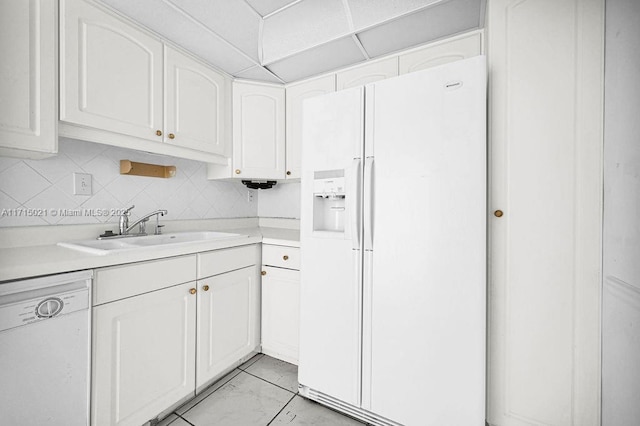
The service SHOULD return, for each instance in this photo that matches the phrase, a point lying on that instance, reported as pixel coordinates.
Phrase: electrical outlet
(250, 196)
(82, 184)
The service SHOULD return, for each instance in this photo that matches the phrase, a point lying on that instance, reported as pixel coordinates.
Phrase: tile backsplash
(40, 192)
(283, 200)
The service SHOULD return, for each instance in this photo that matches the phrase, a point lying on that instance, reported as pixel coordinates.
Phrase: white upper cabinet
(441, 53)
(121, 86)
(111, 73)
(368, 73)
(28, 87)
(296, 94)
(195, 104)
(258, 131)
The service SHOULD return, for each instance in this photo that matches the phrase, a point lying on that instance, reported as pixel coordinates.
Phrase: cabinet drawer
(221, 261)
(119, 282)
(281, 256)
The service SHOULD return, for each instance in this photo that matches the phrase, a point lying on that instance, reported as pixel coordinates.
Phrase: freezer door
(424, 268)
(331, 261)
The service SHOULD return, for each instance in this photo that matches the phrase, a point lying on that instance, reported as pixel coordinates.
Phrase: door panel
(331, 264)
(227, 321)
(111, 73)
(143, 355)
(195, 104)
(425, 284)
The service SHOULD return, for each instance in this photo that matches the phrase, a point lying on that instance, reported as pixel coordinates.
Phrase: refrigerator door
(331, 238)
(424, 272)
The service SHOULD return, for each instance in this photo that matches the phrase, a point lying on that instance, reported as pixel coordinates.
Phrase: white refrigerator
(393, 248)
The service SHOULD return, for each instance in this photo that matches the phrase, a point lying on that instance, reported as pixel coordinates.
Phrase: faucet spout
(142, 222)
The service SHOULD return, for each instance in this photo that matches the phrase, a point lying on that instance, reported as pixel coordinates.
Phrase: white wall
(283, 200)
(621, 251)
(48, 185)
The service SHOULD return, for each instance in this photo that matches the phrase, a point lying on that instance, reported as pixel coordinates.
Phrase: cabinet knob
(205, 287)
(285, 257)
(158, 132)
(237, 171)
(263, 273)
(172, 136)
(288, 172)
(193, 291)
(498, 213)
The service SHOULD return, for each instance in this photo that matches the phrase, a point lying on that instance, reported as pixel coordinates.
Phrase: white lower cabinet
(144, 348)
(281, 302)
(228, 321)
(160, 335)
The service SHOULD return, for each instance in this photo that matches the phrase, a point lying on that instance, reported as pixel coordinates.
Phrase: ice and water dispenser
(329, 201)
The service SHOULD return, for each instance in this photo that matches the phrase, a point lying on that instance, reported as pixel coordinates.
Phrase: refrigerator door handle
(354, 200)
(368, 203)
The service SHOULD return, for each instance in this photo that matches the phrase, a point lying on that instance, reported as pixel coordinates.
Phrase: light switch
(82, 184)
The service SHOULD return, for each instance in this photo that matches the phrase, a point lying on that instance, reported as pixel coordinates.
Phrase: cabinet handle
(205, 287)
(172, 136)
(285, 257)
(237, 171)
(158, 132)
(288, 173)
(193, 291)
(498, 213)
(263, 273)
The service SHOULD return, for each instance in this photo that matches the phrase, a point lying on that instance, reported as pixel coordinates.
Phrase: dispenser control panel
(329, 187)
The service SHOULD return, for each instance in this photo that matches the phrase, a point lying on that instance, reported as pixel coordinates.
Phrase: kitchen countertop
(36, 260)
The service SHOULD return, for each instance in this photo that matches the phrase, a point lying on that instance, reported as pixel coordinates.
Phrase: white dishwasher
(45, 350)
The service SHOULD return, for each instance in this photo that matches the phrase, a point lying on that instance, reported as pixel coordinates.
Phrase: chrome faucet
(125, 227)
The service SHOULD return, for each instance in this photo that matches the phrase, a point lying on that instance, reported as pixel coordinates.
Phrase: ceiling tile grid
(287, 40)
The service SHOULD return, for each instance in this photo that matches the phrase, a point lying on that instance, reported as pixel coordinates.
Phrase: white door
(258, 131)
(425, 239)
(143, 355)
(546, 62)
(295, 96)
(28, 88)
(195, 104)
(228, 321)
(281, 313)
(110, 73)
(330, 288)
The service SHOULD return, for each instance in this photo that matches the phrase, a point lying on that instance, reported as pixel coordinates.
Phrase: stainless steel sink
(119, 244)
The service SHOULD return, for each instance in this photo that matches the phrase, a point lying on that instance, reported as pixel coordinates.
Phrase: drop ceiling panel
(259, 74)
(304, 25)
(165, 20)
(432, 23)
(327, 57)
(235, 21)
(265, 7)
(366, 13)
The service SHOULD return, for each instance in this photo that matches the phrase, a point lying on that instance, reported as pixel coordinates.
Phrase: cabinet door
(441, 53)
(111, 73)
(228, 321)
(546, 61)
(367, 73)
(28, 87)
(143, 355)
(195, 104)
(281, 313)
(258, 131)
(295, 100)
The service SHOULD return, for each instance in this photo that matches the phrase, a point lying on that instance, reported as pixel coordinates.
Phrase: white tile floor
(261, 392)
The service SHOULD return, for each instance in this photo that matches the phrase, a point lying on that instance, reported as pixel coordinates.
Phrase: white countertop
(36, 260)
